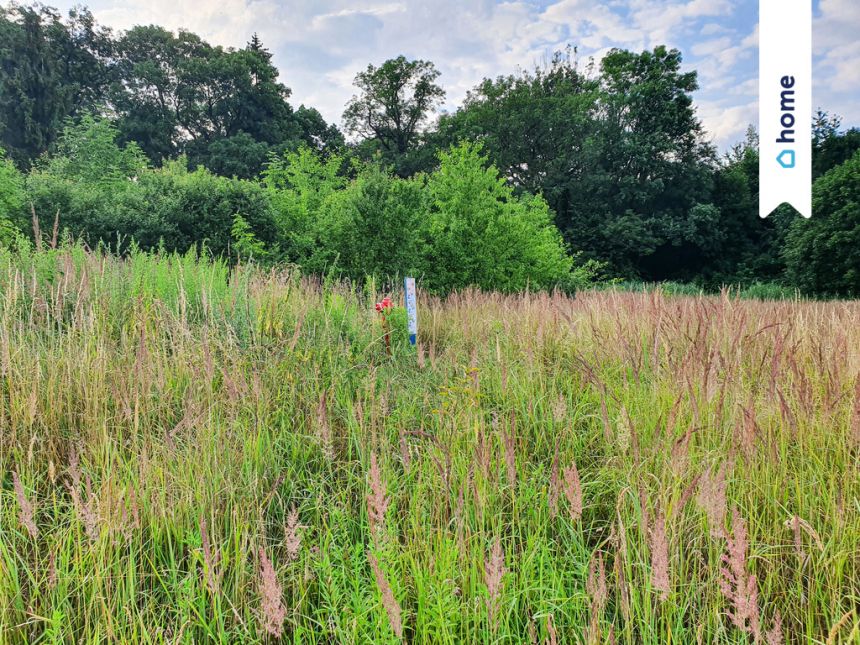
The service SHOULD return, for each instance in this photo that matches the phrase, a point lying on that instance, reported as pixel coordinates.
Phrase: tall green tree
(50, 69)
(618, 154)
(224, 108)
(823, 253)
(537, 127)
(394, 102)
(655, 166)
(830, 145)
(11, 199)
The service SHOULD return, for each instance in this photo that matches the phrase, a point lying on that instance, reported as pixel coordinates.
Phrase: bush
(105, 193)
(480, 234)
(297, 185)
(11, 199)
(371, 228)
(823, 253)
(199, 208)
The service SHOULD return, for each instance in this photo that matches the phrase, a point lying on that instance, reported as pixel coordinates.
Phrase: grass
(194, 451)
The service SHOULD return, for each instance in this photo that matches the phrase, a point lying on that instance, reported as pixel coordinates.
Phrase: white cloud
(319, 45)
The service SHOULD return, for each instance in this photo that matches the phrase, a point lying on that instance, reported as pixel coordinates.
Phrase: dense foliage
(612, 154)
(822, 252)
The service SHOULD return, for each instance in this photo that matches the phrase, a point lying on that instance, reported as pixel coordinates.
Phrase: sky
(320, 45)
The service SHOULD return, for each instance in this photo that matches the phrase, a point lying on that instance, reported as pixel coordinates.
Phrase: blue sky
(319, 45)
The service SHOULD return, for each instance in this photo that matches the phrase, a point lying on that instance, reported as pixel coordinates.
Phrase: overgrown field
(193, 454)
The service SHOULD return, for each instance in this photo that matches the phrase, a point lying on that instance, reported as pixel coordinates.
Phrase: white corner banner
(785, 105)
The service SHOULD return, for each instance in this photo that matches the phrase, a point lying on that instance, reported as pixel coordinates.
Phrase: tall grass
(194, 454)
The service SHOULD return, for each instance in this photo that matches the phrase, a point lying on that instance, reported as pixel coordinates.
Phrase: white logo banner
(785, 105)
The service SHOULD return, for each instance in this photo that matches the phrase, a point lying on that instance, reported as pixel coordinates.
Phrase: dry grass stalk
(573, 492)
(292, 535)
(85, 507)
(748, 431)
(712, 499)
(211, 559)
(660, 556)
(598, 594)
(559, 409)
(799, 526)
(855, 413)
(604, 417)
(550, 629)
(680, 454)
(26, 508)
(494, 571)
(377, 500)
(736, 585)
(392, 607)
(53, 575)
(774, 635)
(271, 597)
(509, 440)
(405, 456)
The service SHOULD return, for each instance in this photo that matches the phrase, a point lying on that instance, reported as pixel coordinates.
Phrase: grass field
(190, 454)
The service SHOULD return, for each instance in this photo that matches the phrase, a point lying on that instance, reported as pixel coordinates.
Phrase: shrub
(11, 199)
(823, 253)
(480, 234)
(297, 185)
(199, 208)
(371, 228)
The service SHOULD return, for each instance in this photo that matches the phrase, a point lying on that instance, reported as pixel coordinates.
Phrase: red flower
(379, 306)
(386, 302)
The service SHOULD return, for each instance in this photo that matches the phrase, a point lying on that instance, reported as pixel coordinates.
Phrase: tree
(50, 69)
(823, 253)
(655, 166)
(830, 146)
(88, 151)
(11, 199)
(223, 108)
(370, 228)
(394, 102)
(535, 126)
(480, 234)
(619, 155)
(297, 184)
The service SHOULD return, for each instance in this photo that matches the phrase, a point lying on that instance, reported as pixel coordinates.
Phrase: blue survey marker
(411, 308)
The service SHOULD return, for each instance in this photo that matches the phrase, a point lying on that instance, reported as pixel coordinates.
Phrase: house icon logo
(786, 159)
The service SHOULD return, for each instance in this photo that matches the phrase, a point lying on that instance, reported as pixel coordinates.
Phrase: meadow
(197, 453)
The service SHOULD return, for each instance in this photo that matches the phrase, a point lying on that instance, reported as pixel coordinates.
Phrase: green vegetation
(201, 138)
(193, 453)
(821, 253)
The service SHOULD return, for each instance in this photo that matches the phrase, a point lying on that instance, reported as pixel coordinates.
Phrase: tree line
(551, 175)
